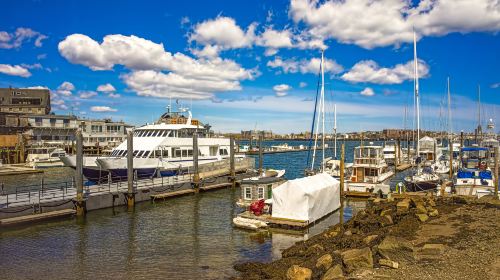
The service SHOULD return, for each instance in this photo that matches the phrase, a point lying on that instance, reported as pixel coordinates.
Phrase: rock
(432, 249)
(348, 233)
(403, 206)
(421, 209)
(296, 272)
(433, 213)
(388, 263)
(386, 221)
(324, 261)
(357, 258)
(422, 217)
(385, 212)
(377, 200)
(334, 273)
(367, 240)
(396, 249)
(431, 202)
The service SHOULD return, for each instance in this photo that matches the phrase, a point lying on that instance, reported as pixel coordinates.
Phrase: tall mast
(479, 128)
(316, 128)
(417, 98)
(450, 128)
(323, 109)
(335, 129)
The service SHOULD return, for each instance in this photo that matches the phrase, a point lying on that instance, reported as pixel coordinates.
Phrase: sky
(242, 65)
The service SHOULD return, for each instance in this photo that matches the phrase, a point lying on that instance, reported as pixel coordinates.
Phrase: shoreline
(406, 237)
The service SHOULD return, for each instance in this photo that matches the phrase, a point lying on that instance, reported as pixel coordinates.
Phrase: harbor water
(181, 238)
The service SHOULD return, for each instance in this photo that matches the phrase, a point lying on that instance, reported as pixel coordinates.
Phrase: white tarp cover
(306, 199)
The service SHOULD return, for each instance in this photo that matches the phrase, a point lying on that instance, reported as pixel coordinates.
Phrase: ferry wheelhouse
(474, 176)
(370, 170)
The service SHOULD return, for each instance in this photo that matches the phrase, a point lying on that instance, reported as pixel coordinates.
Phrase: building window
(248, 193)
(260, 193)
(96, 128)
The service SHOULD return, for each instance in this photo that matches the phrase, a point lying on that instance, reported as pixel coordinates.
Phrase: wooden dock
(37, 217)
(276, 222)
(171, 194)
(17, 169)
(403, 166)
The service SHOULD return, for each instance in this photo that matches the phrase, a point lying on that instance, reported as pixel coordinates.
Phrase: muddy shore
(403, 237)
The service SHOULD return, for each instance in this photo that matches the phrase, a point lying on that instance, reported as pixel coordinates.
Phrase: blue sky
(243, 64)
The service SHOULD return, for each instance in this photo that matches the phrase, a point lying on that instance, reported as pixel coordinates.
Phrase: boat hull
(421, 185)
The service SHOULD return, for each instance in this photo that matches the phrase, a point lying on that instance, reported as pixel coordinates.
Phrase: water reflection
(183, 238)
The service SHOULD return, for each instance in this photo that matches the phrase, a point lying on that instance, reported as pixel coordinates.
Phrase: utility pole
(231, 161)
(261, 136)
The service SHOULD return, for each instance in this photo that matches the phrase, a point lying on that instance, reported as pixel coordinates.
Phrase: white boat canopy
(306, 199)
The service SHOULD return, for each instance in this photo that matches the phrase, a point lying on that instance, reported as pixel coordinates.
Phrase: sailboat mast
(323, 109)
(417, 98)
(450, 128)
(335, 129)
(316, 128)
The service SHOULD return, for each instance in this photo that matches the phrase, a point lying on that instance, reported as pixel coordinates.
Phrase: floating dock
(17, 169)
(37, 217)
(60, 196)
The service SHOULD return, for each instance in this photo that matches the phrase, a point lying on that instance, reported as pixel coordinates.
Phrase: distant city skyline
(241, 66)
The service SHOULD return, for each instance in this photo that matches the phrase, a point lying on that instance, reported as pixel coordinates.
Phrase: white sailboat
(425, 178)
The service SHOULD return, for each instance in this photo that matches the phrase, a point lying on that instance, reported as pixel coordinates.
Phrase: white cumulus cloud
(281, 89)
(156, 72)
(106, 88)
(14, 70)
(305, 66)
(367, 92)
(101, 109)
(65, 89)
(19, 37)
(368, 71)
(86, 94)
(378, 23)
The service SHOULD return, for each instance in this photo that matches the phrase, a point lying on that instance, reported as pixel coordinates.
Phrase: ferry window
(164, 153)
(125, 153)
(135, 153)
(223, 152)
(139, 154)
(184, 153)
(176, 152)
(146, 154)
(260, 193)
(248, 193)
(155, 132)
(190, 153)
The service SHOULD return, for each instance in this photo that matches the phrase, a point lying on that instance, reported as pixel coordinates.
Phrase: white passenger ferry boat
(164, 148)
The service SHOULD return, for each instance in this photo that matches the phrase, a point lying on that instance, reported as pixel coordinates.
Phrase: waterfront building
(103, 133)
(51, 130)
(25, 101)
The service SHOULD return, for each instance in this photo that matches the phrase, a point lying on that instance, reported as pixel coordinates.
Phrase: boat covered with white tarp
(306, 199)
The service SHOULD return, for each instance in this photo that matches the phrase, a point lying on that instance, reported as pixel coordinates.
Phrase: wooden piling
(450, 144)
(461, 139)
(231, 161)
(342, 167)
(261, 136)
(408, 153)
(130, 169)
(196, 171)
(497, 157)
(80, 204)
(342, 179)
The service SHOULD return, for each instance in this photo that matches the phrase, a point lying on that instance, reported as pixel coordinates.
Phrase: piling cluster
(377, 237)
